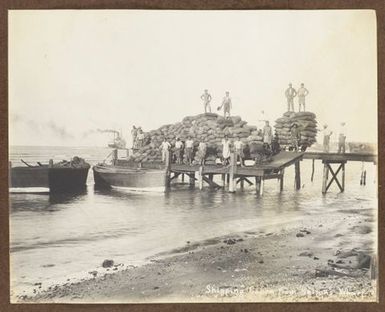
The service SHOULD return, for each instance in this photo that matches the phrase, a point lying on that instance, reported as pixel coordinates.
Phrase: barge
(53, 177)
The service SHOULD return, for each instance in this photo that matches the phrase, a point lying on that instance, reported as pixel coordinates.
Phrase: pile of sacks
(75, 162)
(307, 126)
(209, 128)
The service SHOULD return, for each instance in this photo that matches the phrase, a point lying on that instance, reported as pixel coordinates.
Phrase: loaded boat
(53, 177)
(125, 174)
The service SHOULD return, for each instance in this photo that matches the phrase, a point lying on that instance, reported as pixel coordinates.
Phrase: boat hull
(129, 178)
(54, 179)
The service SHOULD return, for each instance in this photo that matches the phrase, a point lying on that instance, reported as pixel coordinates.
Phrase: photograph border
(5, 5)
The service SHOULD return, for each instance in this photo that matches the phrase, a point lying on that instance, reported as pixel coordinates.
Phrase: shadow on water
(44, 202)
(67, 197)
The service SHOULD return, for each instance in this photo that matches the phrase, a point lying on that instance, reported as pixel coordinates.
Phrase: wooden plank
(210, 182)
(366, 157)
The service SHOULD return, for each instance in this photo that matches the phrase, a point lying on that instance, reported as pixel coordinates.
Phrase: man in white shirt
(189, 148)
(290, 94)
(165, 146)
(226, 150)
(178, 150)
(206, 97)
(302, 93)
(342, 139)
(202, 149)
(239, 150)
(267, 133)
(326, 141)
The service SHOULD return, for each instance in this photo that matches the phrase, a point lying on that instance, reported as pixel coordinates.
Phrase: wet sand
(289, 264)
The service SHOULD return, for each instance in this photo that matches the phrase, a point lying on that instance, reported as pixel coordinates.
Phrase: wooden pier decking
(234, 174)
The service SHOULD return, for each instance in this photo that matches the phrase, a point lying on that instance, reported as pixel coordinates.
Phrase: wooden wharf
(234, 174)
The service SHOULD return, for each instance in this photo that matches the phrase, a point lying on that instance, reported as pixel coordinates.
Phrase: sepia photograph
(161, 156)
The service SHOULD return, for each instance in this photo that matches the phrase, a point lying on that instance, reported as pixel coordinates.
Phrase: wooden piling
(50, 163)
(200, 177)
(325, 178)
(259, 185)
(312, 170)
(297, 175)
(167, 173)
(281, 180)
(192, 179)
(233, 165)
(224, 180)
(182, 177)
(343, 177)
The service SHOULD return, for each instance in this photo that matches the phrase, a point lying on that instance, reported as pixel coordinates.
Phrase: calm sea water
(56, 238)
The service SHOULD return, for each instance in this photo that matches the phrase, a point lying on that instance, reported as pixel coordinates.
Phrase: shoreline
(285, 265)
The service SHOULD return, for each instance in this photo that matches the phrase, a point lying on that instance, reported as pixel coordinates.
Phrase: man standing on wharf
(206, 97)
(290, 94)
(189, 147)
(267, 133)
(165, 146)
(342, 139)
(326, 142)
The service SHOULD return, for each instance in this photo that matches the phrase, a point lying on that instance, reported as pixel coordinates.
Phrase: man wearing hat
(342, 139)
(326, 142)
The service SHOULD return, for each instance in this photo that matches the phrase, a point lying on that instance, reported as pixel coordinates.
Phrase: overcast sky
(72, 72)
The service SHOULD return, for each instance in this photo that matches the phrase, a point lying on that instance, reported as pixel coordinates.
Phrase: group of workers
(291, 93)
(137, 137)
(341, 138)
(259, 153)
(187, 148)
(270, 144)
(226, 103)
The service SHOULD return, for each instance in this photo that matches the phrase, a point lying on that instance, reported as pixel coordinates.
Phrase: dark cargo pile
(209, 128)
(307, 125)
(75, 162)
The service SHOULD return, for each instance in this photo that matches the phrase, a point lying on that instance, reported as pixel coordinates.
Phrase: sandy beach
(296, 263)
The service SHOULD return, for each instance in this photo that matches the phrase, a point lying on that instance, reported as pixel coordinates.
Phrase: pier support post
(259, 185)
(233, 165)
(327, 168)
(224, 180)
(167, 174)
(192, 178)
(312, 170)
(325, 178)
(50, 163)
(182, 177)
(297, 176)
(281, 180)
(242, 183)
(200, 177)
